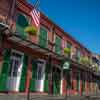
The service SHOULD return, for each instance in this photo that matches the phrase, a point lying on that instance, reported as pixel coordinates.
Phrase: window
(58, 45)
(69, 45)
(40, 70)
(43, 36)
(15, 64)
(78, 54)
(21, 23)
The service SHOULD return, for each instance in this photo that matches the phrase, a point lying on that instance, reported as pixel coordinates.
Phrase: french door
(38, 75)
(16, 63)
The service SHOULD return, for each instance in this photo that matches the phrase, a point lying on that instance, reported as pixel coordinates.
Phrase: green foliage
(31, 30)
(85, 60)
(67, 50)
(96, 67)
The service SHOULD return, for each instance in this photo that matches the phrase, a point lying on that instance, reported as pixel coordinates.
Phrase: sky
(79, 18)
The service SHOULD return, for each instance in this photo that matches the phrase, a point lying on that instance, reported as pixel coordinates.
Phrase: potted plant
(84, 60)
(67, 51)
(31, 30)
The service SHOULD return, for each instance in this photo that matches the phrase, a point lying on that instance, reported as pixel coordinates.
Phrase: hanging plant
(31, 30)
(67, 50)
(85, 60)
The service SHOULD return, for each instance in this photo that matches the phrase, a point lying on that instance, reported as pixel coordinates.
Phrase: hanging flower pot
(67, 51)
(31, 30)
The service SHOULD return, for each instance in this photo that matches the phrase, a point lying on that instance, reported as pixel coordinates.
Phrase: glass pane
(16, 65)
(15, 61)
(11, 67)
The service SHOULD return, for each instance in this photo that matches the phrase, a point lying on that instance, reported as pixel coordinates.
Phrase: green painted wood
(56, 83)
(47, 71)
(34, 76)
(46, 86)
(21, 24)
(43, 37)
(5, 70)
(58, 45)
(24, 74)
(33, 85)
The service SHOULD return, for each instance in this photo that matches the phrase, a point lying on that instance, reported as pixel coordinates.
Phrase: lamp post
(67, 74)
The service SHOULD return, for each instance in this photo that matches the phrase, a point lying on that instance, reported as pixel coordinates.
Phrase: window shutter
(58, 45)
(47, 71)
(34, 76)
(43, 37)
(24, 74)
(5, 70)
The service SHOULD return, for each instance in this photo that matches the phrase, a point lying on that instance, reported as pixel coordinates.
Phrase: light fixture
(3, 26)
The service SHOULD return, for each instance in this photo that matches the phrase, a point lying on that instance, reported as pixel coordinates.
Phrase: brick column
(80, 91)
(74, 81)
(29, 75)
(64, 85)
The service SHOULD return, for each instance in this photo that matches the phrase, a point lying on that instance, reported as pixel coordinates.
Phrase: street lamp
(67, 74)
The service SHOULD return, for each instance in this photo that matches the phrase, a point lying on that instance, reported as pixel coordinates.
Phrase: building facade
(38, 63)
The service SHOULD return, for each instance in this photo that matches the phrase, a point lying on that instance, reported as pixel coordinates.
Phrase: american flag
(35, 13)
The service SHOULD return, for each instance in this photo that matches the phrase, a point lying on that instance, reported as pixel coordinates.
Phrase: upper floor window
(22, 22)
(43, 37)
(69, 45)
(78, 54)
(58, 44)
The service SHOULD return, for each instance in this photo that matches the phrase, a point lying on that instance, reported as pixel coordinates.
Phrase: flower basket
(84, 60)
(67, 51)
(31, 30)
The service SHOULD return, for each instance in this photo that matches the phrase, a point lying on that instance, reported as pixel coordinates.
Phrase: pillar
(29, 75)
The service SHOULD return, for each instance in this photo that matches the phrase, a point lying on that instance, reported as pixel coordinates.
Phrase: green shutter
(21, 24)
(34, 76)
(58, 45)
(43, 37)
(46, 82)
(56, 83)
(5, 70)
(24, 74)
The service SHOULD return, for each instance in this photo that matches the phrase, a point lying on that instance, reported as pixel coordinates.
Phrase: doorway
(16, 63)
